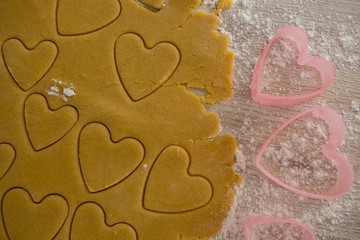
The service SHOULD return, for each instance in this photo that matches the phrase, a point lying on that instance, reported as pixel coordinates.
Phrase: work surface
(333, 27)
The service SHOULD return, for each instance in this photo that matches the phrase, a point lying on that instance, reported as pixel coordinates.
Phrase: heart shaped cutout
(300, 38)
(345, 174)
(104, 162)
(44, 125)
(7, 157)
(264, 227)
(26, 219)
(143, 70)
(77, 17)
(171, 188)
(28, 66)
(89, 223)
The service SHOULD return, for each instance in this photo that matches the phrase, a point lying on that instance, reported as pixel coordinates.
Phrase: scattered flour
(68, 92)
(283, 76)
(62, 90)
(209, 5)
(277, 231)
(240, 158)
(355, 105)
(145, 166)
(295, 156)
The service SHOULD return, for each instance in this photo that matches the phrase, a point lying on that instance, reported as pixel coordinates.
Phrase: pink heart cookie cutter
(324, 67)
(345, 174)
(307, 232)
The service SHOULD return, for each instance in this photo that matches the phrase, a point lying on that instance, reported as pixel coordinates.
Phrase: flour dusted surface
(334, 34)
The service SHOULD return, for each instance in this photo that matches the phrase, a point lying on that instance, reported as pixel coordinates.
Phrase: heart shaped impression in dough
(104, 162)
(28, 66)
(171, 188)
(89, 223)
(37, 220)
(46, 126)
(7, 157)
(86, 16)
(143, 70)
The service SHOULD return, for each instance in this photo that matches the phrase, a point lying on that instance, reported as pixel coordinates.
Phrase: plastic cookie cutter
(301, 40)
(298, 228)
(345, 174)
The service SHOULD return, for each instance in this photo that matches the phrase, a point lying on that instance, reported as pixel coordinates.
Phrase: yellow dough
(102, 133)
